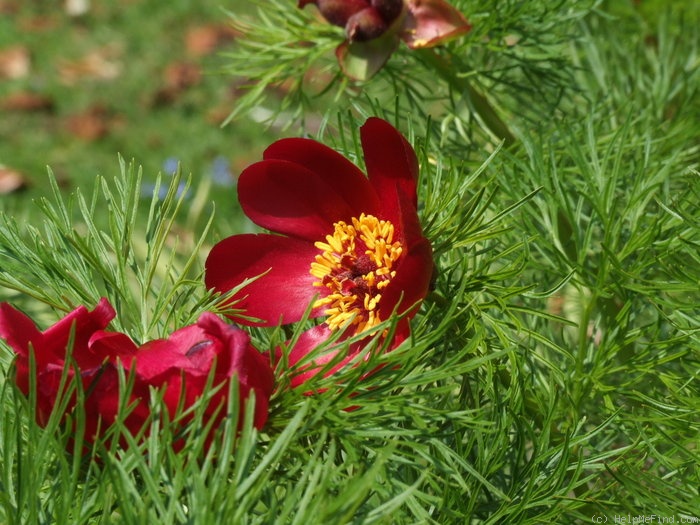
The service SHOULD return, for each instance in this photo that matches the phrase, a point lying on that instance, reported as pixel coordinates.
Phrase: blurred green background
(83, 81)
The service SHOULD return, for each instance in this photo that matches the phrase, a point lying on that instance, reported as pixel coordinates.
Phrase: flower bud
(337, 12)
(374, 28)
(362, 19)
(388, 9)
(365, 25)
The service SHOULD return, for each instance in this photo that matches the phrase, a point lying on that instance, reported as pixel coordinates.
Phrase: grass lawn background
(137, 78)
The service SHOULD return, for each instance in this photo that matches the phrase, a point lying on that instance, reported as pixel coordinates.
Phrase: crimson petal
(284, 291)
(159, 356)
(307, 342)
(112, 346)
(17, 329)
(346, 179)
(407, 220)
(288, 198)
(87, 323)
(412, 279)
(240, 358)
(392, 165)
(250, 366)
(312, 338)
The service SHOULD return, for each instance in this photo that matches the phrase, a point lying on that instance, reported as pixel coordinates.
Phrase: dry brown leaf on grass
(91, 124)
(8, 7)
(99, 64)
(11, 180)
(15, 62)
(26, 101)
(39, 23)
(205, 39)
(177, 78)
(182, 75)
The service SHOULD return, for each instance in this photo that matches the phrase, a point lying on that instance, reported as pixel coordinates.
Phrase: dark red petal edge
(411, 282)
(17, 329)
(392, 166)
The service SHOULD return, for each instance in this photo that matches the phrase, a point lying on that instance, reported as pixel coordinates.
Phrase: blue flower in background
(171, 165)
(221, 172)
(148, 189)
(170, 168)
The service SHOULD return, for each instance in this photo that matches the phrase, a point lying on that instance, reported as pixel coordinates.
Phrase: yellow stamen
(356, 262)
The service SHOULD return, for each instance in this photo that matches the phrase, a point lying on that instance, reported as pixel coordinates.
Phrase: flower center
(356, 265)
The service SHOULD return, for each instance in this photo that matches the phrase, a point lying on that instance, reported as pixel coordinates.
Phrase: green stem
(481, 106)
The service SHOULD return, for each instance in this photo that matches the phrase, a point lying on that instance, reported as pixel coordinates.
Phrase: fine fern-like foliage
(107, 245)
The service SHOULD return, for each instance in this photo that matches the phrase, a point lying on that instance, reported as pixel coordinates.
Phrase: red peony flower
(373, 29)
(351, 245)
(181, 363)
(49, 348)
(184, 362)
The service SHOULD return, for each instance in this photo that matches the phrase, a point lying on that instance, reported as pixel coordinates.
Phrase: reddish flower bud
(337, 12)
(362, 19)
(365, 25)
(388, 9)
(375, 27)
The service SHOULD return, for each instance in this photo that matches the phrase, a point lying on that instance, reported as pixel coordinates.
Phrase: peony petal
(168, 355)
(112, 346)
(312, 338)
(307, 342)
(85, 326)
(184, 362)
(343, 176)
(251, 368)
(56, 338)
(392, 166)
(18, 330)
(432, 22)
(280, 295)
(104, 403)
(289, 198)
(407, 221)
(411, 282)
(197, 347)
(47, 390)
(50, 346)
(336, 12)
(237, 357)
(234, 343)
(396, 182)
(364, 25)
